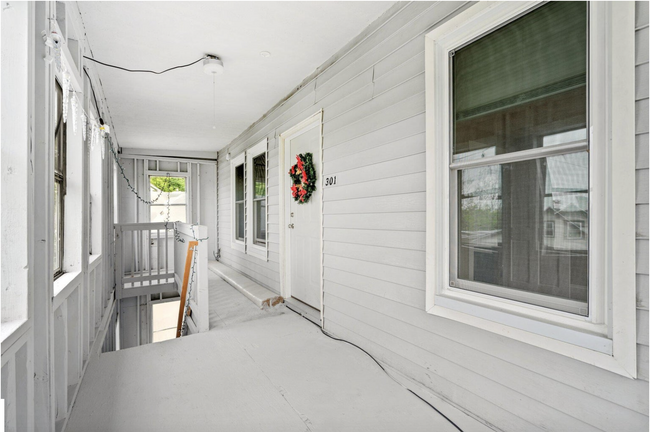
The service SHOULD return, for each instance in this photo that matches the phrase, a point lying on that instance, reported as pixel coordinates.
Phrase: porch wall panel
(641, 120)
(372, 98)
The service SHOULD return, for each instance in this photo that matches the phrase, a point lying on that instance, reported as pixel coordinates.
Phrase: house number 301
(329, 181)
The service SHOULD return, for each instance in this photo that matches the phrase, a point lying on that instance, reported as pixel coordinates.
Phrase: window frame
(252, 248)
(235, 243)
(60, 178)
(607, 337)
(185, 175)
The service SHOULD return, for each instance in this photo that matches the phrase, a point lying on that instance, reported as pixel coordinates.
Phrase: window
(256, 203)
(512, 90)
(248, 177)
(259, 200)
(238, 181)
(172, 190)
(60, 138)
(549, 229)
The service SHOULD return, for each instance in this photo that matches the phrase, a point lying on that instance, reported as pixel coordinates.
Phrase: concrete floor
(256, 370)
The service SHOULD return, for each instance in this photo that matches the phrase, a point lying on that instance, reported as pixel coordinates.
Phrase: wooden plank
(186, 277)
(641, 82)
(384, 221)
(640, 14)
(392, 114)
(391, 291)
(641, 116)
(641, 46)
(641, 151)
(408, 202)
(389, 134)
(405, 72)
(641, 186)
(411, 240)
(406, 52)
(389, 186)
(642, 327)
(387, 99)
(398, 275)
(642, 220)
(403, 258)
(642, 293)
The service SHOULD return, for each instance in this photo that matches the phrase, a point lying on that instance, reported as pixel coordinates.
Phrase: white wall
(51, 329)
(374, 241)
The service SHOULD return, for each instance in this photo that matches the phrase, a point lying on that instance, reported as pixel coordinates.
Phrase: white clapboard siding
(372, 96)
(641, 126)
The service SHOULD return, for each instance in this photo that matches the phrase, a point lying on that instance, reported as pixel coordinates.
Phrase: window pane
(259, 214)
(524, 226)
(239, 183)
(259, 166)
(239, 219)
(57, 226)
(518, 84)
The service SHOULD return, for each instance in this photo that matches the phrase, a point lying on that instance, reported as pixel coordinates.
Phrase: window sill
(64, 286)
(93, 261)
(12, 331)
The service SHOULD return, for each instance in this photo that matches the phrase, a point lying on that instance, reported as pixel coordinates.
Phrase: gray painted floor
(257, 370)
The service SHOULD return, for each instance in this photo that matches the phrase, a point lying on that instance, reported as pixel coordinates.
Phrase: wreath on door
(303, 175)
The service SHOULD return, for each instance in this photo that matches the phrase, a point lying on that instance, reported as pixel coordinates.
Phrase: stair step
(255, 292)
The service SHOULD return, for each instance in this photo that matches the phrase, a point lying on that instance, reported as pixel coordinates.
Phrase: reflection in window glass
(522, 82)
(239, 202)
(508, 215)
(259, 199)
(522, 226)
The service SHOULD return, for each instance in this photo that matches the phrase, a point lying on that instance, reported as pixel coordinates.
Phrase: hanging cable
(146, 70)
(376, 361)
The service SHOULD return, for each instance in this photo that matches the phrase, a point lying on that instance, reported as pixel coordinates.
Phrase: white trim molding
(236, 244)
(606, 338)
(313, 121)
(253, 249)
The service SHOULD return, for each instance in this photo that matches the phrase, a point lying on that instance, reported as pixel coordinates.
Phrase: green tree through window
(169, 184)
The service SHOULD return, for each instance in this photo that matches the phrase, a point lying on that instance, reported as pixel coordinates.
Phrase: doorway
(301, 223)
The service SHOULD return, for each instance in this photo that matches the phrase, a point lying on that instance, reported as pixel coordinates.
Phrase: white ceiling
(175, 110)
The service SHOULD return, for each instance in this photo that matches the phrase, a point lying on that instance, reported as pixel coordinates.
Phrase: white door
(304, 223)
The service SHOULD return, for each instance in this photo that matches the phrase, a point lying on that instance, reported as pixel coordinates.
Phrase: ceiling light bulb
(265, 54)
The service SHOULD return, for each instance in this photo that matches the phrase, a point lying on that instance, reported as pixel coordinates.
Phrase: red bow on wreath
(303, 176)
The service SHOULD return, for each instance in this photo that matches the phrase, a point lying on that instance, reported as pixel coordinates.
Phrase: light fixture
(212, 65)
(265, 54)
(227, 156)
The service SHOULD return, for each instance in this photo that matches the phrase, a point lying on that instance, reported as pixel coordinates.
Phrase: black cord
(145, 70)
(375, 360)
(93, 92)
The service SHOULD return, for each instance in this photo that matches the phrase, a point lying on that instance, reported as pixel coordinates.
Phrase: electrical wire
(376, 361)
(146, 70)
(93, 92)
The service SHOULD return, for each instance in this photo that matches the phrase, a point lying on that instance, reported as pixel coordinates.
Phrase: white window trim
(251, 248)
(607, 338)
(237, 245)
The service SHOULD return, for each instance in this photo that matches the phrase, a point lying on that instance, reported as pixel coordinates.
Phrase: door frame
(315, 120)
